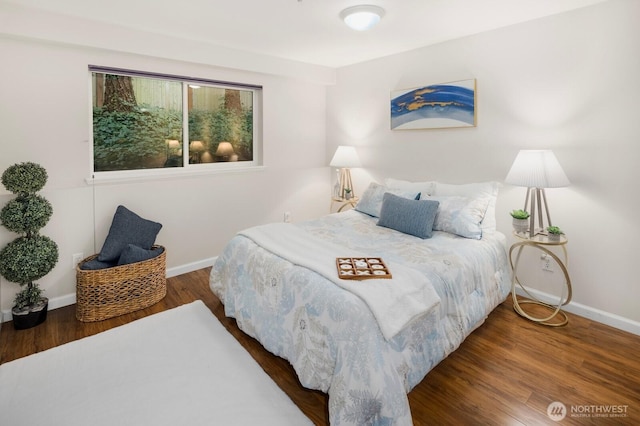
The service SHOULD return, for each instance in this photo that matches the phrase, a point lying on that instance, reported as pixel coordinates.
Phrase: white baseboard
(70, 299)
(588, 312)
(190, 267)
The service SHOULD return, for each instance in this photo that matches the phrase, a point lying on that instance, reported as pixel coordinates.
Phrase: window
(146, 121)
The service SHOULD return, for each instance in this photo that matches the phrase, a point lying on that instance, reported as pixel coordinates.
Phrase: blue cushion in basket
(128, 228)
(95, 264)
(133, 254)
(413, 217)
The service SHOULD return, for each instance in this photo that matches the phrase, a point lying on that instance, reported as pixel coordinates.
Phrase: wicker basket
(107, 293)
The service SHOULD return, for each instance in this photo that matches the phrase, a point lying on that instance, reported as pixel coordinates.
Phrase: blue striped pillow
(413, 217)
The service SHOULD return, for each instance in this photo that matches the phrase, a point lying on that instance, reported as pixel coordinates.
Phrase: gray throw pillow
(413, 217)
(127, 228)
(133, 254)
(95, 264)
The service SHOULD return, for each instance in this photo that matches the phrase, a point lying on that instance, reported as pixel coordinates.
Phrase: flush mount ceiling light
(361, 18)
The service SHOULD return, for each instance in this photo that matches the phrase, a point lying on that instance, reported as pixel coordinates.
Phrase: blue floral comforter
(330, 336)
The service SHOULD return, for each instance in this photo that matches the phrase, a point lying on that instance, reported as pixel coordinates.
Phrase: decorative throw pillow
(133, 254)
(425, 188)
(413, 217)
(371, 201)
(127, 228)
(95, 264)
(460, 215)
(484, 190)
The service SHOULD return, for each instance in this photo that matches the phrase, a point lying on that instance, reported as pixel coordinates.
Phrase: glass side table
(542, 243)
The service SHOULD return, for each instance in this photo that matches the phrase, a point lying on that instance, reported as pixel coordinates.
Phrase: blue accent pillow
(413, 217)
(371, 200)
(95, 264)
(127, 228)
(133, 254)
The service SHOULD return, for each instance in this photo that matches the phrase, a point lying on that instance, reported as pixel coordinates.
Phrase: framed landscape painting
(437, 106)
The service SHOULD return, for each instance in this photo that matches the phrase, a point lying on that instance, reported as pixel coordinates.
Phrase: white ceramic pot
(553, 237)
(521, 226)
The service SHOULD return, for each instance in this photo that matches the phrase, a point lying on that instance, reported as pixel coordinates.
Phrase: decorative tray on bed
(361, 268)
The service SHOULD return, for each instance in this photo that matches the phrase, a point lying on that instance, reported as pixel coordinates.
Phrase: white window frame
(187, 169)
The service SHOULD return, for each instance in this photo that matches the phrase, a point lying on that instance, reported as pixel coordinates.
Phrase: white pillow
(425, 188)
(460, 215)
(371, 200)
(482, 190)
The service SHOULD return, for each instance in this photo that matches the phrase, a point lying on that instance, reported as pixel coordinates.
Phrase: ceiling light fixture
(361, 18)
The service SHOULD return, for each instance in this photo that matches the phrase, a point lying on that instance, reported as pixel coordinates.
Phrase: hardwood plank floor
(506, 373)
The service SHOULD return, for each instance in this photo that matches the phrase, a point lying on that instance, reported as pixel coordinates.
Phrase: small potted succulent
(520, 221)
(30, 256)
(347, 193)
(554, 233)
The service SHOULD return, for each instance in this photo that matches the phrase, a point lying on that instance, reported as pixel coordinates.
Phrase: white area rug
(178, 367)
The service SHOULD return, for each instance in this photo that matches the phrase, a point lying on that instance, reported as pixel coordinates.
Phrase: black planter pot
(31, 319)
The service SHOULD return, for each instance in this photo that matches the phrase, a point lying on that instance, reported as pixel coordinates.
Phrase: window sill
(110, 178)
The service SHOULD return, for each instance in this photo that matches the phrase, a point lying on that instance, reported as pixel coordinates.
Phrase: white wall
(569, 83)
(45, 117)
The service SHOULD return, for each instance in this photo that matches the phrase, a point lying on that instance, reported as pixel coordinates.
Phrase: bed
(367, 351)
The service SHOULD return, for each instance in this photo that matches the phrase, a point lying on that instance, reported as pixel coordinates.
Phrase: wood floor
(506, 373)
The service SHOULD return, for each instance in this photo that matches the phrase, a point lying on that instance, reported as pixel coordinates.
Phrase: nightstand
(342, 203)
(544, 244)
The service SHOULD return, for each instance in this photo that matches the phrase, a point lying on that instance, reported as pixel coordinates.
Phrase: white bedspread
(330, 335)
(394, 302)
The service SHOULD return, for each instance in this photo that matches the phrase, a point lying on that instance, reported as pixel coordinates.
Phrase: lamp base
(345, 183)
(538, 198)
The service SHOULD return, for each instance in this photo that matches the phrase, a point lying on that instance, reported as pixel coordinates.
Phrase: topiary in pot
(30, 256)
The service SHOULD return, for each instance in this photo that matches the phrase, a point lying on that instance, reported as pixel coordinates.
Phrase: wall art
(436, 106)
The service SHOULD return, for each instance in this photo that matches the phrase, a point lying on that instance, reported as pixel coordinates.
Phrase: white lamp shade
(361, 18)
(537, 169)
(345, 157)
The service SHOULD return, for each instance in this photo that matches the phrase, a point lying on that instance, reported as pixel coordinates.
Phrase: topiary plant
(30, 256)
(24, 178)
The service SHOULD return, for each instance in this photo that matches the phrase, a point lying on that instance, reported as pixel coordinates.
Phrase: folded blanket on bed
(394, 302)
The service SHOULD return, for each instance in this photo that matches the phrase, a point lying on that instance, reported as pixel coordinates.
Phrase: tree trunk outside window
(232, 101)
(118, 94)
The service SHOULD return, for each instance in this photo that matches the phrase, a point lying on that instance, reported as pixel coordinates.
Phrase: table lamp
(537, 170)
(344, 158)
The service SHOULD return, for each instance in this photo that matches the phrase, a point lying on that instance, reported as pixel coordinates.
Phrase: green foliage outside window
(133, 139)
(138, 122)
